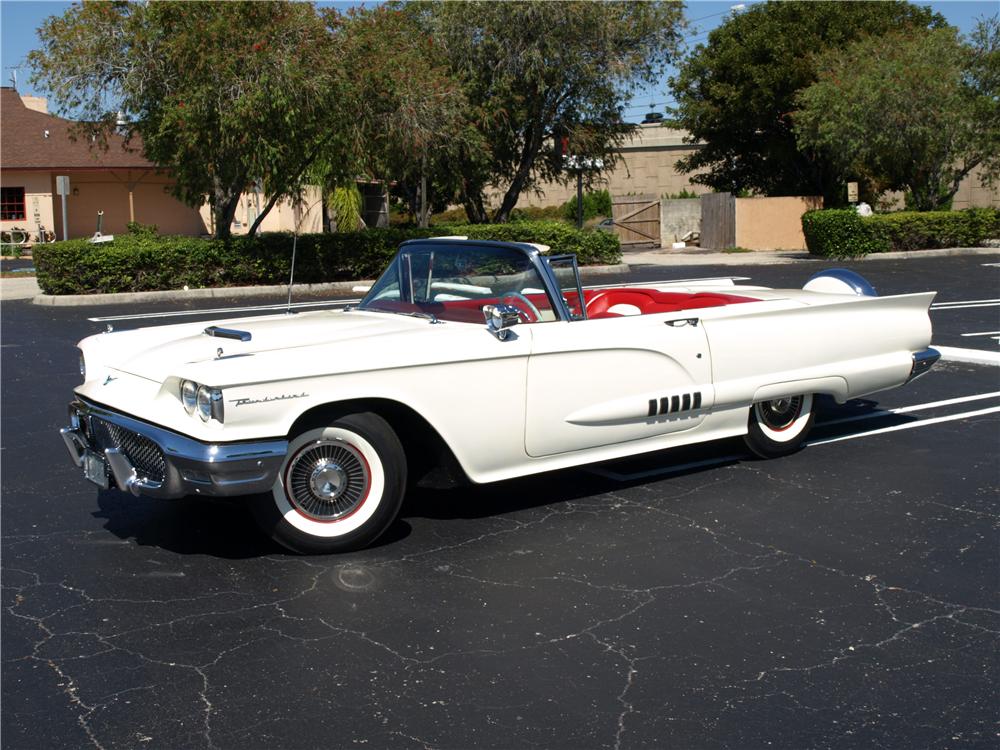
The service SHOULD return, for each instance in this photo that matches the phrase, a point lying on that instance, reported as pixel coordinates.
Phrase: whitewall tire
(779, 427)
(339, 487)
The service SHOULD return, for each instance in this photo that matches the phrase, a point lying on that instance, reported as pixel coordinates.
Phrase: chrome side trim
(192, 467)
(922, 362)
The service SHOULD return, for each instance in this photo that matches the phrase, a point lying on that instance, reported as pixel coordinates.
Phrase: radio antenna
(291, 275)
(301, 213)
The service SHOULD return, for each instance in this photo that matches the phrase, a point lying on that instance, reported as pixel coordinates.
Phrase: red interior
(649, 301)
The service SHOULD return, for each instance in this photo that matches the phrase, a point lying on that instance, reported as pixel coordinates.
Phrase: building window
(11, 203)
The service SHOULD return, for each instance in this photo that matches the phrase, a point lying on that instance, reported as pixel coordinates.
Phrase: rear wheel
(779, 427)
(338, 489)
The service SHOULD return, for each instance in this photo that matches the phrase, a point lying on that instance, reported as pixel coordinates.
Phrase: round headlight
(83, 367)
(204, 403)
(189, 395)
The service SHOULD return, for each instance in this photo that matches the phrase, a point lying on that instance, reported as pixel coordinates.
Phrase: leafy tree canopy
(410, 114)
(535, 72)
(912, 110)
(222, 94)
(737, 92)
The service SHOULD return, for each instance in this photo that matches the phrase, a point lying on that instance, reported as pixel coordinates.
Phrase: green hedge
(141, 262)
(595, 203)
(844, 234)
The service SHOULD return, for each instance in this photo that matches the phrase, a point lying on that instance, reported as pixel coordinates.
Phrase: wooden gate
(637, 219)
(718, 220)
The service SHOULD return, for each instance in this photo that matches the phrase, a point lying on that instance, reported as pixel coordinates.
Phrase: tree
(737, 92)
(903, 111)
(409, 112)
(221, 94)
(537, 72)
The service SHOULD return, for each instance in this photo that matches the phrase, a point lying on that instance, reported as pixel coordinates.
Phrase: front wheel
(338, 489)
(779, 427)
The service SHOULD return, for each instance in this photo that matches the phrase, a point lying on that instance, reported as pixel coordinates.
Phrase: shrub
(590, 248)
(143, 262)
(596, 203)
(844, 234)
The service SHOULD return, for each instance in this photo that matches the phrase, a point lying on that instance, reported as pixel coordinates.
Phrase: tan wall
(108, 191)
(971, 193)
(646, 167)
(773, 223)
(308, 215)
(37, 200)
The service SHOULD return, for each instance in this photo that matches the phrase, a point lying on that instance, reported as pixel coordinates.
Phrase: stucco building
(36, 147)
(647, 168)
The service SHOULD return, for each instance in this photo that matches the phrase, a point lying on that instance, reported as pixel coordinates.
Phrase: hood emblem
(108, 379)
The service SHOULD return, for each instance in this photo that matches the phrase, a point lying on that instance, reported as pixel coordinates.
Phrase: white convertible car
(487, 358)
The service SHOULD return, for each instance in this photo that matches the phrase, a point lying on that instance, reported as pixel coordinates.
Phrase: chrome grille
(142, 453)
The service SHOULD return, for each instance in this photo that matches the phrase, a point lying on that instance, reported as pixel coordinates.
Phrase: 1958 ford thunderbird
(485, 357)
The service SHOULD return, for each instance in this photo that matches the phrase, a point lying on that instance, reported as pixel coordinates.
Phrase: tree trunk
(472, 202)
(224, 206)
(265, 212)
(532, 145)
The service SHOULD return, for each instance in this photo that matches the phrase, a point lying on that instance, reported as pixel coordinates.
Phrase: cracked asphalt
(845, 596)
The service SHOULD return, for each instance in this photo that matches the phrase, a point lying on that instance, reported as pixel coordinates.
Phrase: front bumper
(148, 460)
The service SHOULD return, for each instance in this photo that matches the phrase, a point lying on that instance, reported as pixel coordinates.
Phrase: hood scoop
(228, 333)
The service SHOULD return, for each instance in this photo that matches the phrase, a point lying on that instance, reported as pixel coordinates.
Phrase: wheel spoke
(327, 480)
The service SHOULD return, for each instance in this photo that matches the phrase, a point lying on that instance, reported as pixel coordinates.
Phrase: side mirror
(499, 319)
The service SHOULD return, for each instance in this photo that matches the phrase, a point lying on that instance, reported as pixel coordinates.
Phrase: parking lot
(845, 596)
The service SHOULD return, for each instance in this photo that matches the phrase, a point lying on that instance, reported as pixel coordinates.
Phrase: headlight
(204, 403)
(210, 404)
(83, 367)
(189, 395)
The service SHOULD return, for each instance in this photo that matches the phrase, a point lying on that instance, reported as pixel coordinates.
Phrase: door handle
(680, 322)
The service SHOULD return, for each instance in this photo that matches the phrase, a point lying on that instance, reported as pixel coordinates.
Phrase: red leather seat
(651, 301)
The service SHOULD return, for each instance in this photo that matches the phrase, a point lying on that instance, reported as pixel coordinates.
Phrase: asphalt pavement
(845, 596)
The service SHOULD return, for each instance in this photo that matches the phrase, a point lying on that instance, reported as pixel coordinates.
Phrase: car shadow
(200, 526)
(226, 529)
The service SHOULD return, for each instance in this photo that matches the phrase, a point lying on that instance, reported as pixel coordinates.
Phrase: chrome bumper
(922, 362)
(148, 460)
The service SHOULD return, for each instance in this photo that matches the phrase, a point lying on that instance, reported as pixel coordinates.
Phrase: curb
(178, 295)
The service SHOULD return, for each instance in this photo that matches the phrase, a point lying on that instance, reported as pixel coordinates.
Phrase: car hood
(157, 352)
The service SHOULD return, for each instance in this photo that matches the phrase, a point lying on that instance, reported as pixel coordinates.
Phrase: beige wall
(971, 193)
(646, 167)
(284, 217)
(773, 223)
(108, 191)
(37, 200)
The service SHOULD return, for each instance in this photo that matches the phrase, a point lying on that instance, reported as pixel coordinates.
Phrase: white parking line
(969, 356)
(982, 333)
(908, 425)
(908, 409)
(965, 304)
(224, 310)
(990, 265)
(678, 468)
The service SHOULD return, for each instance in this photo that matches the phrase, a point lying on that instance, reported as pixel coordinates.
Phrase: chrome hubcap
(780, 413)
(327, 480)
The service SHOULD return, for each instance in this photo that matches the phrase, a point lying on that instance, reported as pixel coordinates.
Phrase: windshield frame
(535, 258)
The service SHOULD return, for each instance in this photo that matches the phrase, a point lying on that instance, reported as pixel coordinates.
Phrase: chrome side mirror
(499, 319)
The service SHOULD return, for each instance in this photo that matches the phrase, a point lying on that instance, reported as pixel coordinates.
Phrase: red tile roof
(24, 144)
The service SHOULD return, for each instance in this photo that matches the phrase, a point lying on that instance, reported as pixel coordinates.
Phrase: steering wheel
(525, 307)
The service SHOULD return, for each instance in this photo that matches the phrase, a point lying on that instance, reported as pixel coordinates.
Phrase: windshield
(454, 282)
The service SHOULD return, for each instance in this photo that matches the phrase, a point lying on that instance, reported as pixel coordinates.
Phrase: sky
(19, 20)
